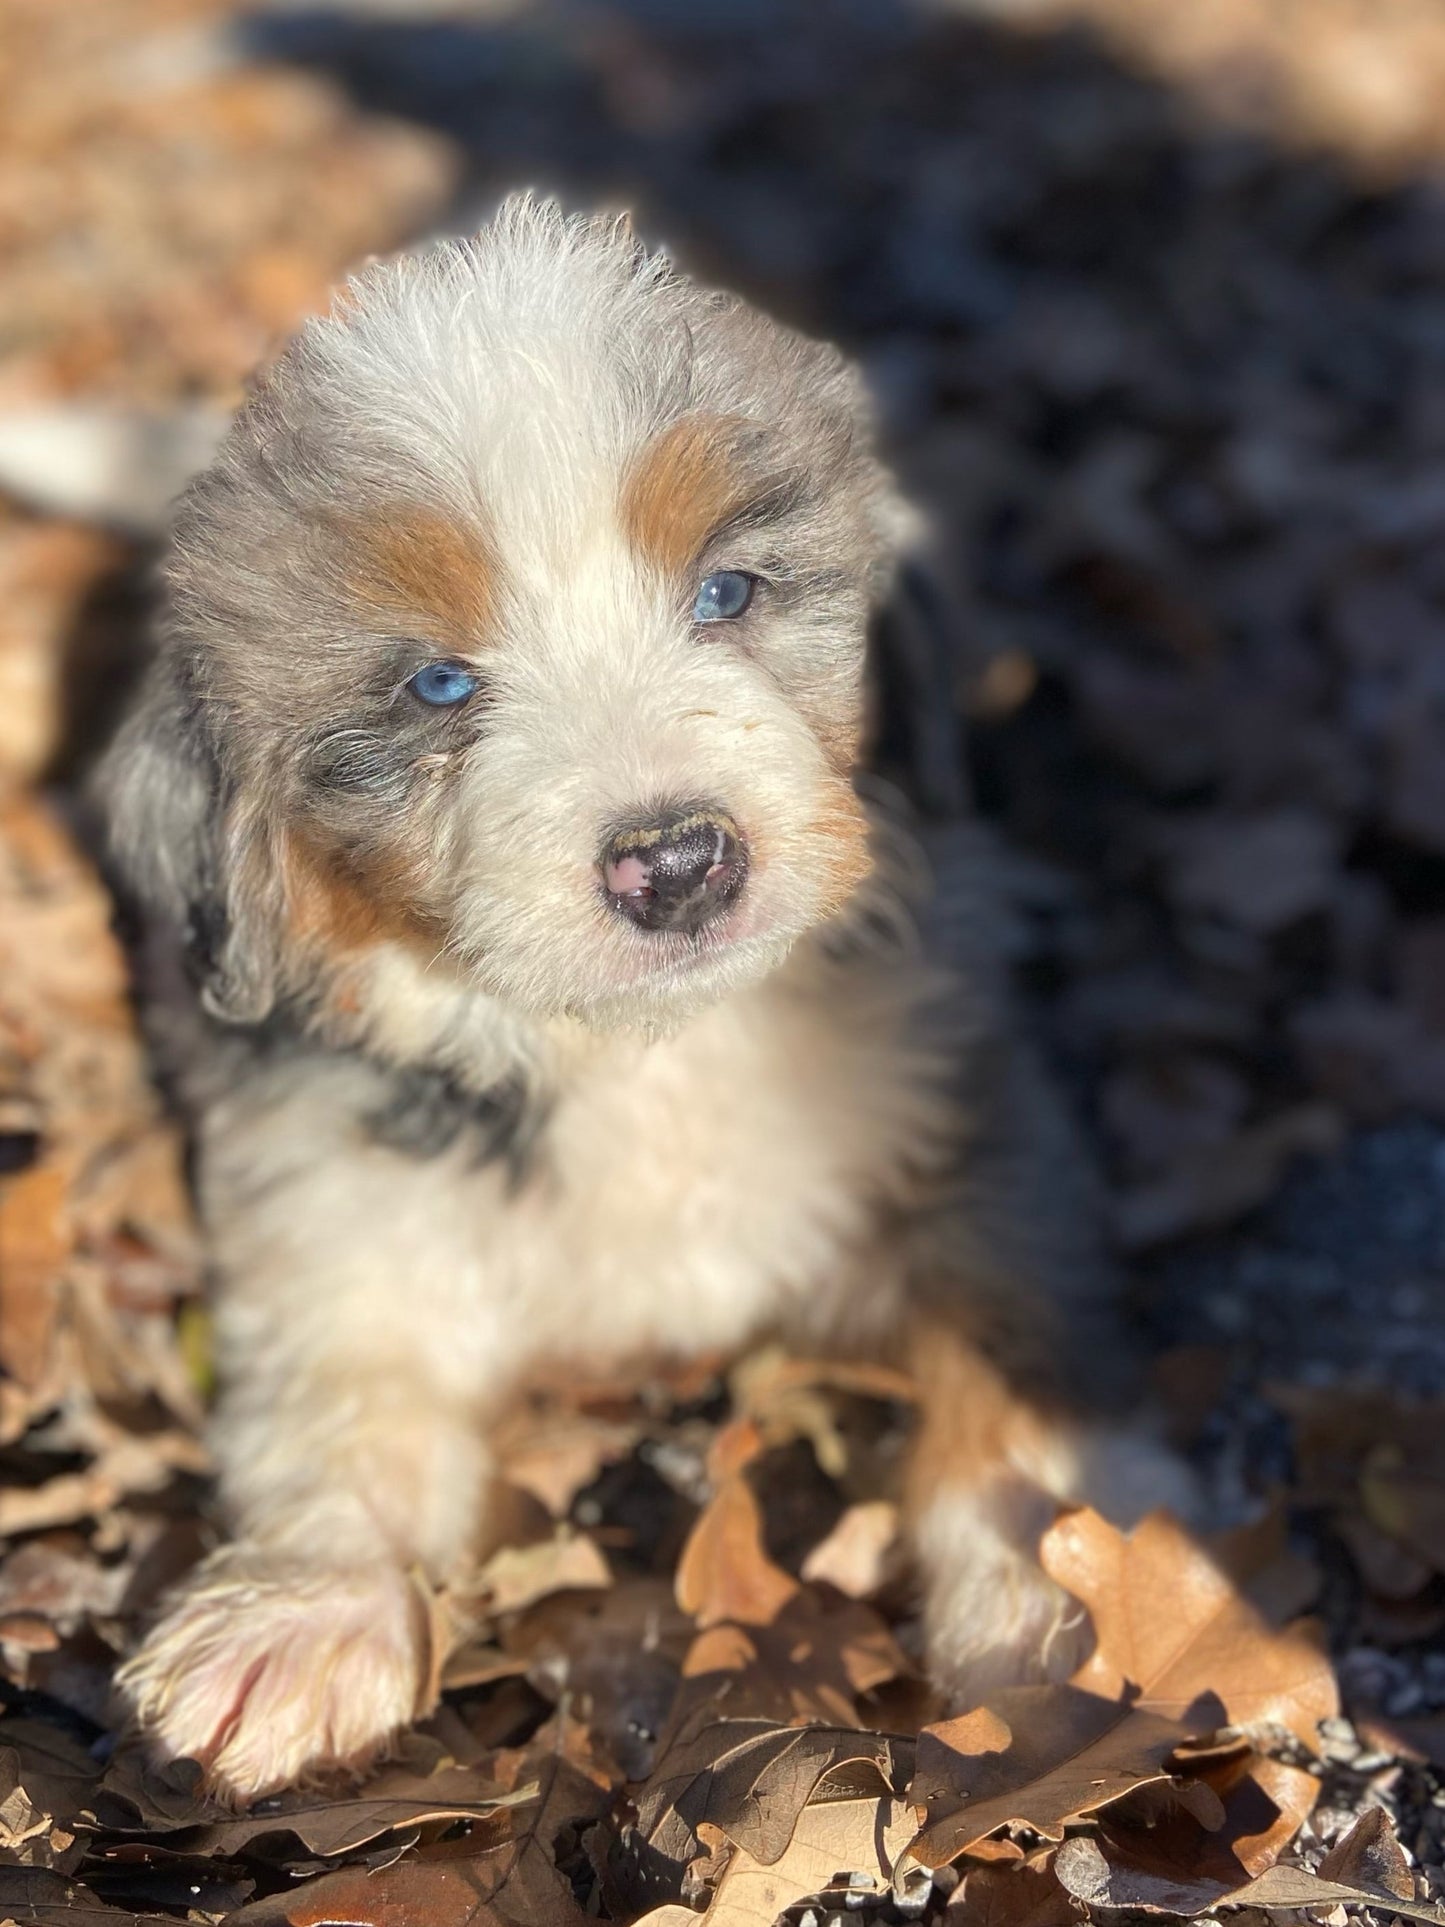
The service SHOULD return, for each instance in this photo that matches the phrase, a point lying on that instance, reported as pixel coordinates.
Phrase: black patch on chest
(427, 1111)
(423, 1111)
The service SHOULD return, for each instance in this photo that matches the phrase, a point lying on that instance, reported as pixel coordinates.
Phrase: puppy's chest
(687, 1191)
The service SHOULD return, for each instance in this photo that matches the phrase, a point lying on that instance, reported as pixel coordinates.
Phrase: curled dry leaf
(1369, 1856)
(1160, 1856)
(1087, 1872)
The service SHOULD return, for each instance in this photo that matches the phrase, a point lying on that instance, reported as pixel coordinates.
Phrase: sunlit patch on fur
(842, 829)
(337, 914)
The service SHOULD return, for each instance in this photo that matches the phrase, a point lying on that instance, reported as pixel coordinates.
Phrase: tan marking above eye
(680, 488)
(410, 562)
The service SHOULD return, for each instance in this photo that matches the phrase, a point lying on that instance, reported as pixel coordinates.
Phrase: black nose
(677, 873)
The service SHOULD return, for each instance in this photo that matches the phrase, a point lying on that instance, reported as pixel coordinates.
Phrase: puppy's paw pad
(269, 1673)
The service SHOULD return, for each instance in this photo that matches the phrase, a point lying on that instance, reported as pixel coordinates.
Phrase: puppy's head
(519, 621)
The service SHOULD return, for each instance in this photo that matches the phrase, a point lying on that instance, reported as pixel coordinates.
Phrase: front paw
(269, 1671)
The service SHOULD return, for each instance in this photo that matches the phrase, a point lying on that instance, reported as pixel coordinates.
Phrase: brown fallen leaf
(1089, 1875)
(493, 1889)
(38, 1897)
(1174, 1633)
(1013, 1893)
(133, 1464)
(724, 1574)
(1035, 1756)
(1214, 1187)
(748, 1779)
(1370, 1857)
(859, 1554)
(1393, 1572)
(329, 1824)
(779, 1398)
(1291, 1887)
(35, 1243)
(853, 1845)
(1266, 1802)
(1161, 1856)
(1368, 1453)
(516, 1576)
(1403, 1491)
(46, 1783)
(555, 1462)
(810, 1664)
(1277, 1578)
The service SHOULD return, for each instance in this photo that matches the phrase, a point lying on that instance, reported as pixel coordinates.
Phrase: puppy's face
(524, 615)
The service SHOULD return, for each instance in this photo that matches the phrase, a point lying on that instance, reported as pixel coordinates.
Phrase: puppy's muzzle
(677, 873)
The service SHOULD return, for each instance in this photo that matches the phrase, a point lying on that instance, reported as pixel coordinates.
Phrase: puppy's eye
(723, 596)
(444, 684)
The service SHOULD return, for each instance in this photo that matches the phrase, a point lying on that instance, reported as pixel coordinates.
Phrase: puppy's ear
(194, 854)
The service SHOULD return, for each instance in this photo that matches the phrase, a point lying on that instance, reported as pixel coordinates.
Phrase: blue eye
(723, 596)
(444, 684)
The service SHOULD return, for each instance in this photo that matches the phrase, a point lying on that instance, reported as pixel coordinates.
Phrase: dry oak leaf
(1175, 1635)
(780, 1398)
(850, 1844)
(1035, 1756)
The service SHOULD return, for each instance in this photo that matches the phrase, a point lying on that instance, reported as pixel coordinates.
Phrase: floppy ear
(192, 853)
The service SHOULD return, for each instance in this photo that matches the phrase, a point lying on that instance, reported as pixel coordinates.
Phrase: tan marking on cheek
(332, 910)
(842, 744)
(842, 827)
(410, 562)
(680, 488)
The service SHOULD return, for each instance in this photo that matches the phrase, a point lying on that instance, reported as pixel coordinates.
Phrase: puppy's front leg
(987, 1473)
(353, 1468)
(307, 1643)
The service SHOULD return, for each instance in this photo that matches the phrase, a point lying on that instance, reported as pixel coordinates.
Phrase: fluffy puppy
(552, 996)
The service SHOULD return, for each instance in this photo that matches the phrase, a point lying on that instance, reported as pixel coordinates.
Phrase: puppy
(553, 995)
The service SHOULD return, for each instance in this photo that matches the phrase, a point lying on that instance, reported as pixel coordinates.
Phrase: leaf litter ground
(1161, 351)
